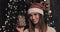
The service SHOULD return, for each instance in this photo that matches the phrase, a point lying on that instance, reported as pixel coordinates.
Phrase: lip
(34, 21)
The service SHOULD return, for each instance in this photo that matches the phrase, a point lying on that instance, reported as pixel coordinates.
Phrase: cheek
(36, 19)
(37, 16)
(30, 17)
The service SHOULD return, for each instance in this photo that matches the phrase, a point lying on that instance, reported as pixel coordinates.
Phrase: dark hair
(41, 25)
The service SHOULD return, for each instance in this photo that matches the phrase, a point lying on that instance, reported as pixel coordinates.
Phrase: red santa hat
(36, 7)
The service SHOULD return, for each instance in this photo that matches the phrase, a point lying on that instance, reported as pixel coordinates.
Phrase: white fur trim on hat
(35, 10)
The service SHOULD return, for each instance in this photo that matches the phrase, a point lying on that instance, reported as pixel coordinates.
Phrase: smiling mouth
(34, 21)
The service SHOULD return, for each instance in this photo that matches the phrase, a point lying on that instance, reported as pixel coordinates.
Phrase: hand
(20, 29)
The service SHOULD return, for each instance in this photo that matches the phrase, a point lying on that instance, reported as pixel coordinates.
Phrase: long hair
(41, 25)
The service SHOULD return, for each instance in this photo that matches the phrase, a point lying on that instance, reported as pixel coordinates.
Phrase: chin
(35, 23)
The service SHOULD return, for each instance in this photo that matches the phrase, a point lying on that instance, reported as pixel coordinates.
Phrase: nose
(33, 17)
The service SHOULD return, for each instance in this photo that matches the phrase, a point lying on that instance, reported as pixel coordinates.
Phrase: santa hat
(36, 7)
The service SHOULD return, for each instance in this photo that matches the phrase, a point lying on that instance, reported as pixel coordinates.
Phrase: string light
(6, 22)
(50, 11)
(0, 29)
(10, 0)
(44, 0)
(7, 16)
(6, 9)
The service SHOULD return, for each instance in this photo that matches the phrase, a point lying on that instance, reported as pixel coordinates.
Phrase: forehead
(34, 13)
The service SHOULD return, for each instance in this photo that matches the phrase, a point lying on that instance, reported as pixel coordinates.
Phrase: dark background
(55, 6)
(3, 5)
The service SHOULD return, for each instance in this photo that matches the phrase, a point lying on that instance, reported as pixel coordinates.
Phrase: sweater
(49, 29)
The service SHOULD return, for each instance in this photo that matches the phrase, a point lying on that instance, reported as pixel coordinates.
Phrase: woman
(36, 20)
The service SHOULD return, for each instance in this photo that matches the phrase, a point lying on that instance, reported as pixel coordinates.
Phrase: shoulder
(26, 30)
(50, 29)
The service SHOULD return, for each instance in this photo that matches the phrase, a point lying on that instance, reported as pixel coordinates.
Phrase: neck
(36, 26)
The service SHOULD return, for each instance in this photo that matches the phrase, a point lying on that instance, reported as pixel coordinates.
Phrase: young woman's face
(34, 17)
